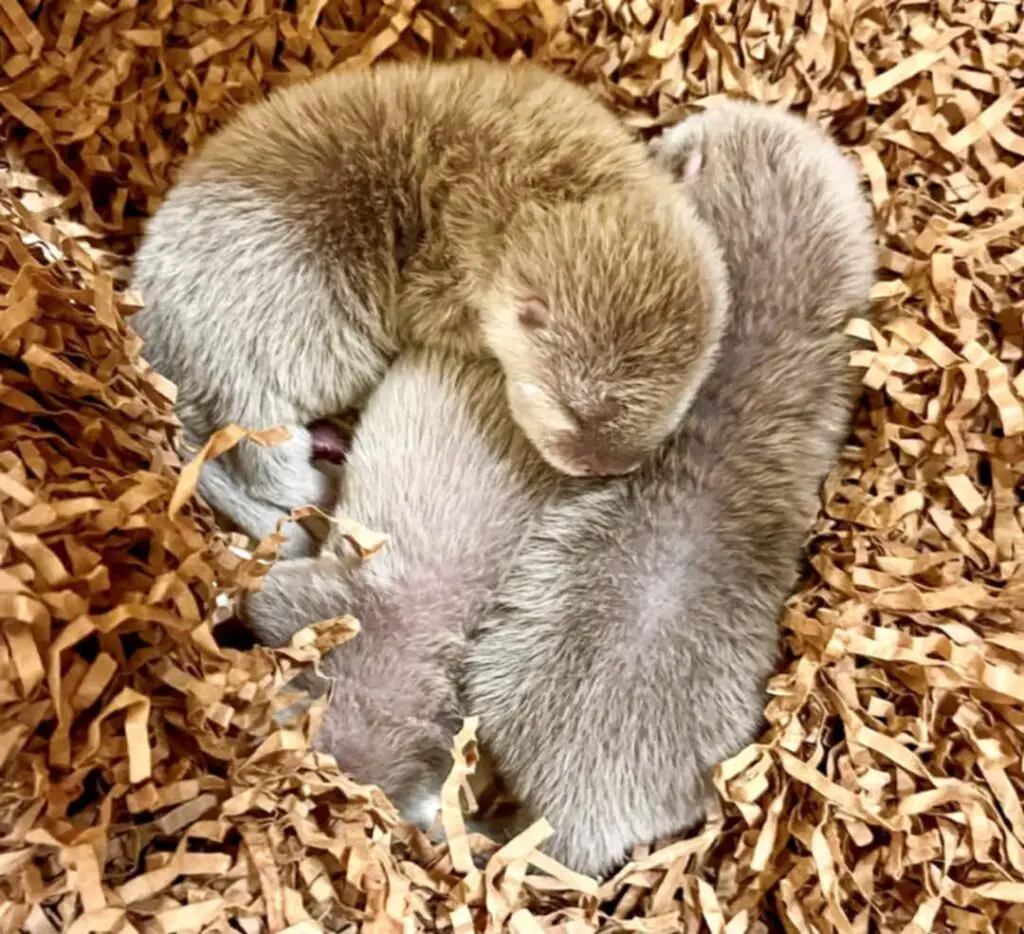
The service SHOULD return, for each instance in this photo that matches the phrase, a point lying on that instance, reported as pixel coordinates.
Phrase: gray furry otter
(341, 221)
(437, 464)
(614, 637)
(626, 651)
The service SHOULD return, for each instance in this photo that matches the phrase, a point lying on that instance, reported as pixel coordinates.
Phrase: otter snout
(582, 443)
(590, 456)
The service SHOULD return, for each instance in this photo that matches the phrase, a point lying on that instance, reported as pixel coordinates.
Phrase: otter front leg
(393, 709)
(254, 486)
(267, 484)
(260, 501)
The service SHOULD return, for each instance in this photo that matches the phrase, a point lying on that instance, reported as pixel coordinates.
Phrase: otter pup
(342, 220)
(436, 463)
(626, 651)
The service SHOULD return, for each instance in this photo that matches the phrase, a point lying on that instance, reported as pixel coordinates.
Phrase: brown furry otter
(340, 221)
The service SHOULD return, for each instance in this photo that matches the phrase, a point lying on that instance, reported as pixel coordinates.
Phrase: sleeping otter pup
(340, 221)
(437, 464)
(626, 651)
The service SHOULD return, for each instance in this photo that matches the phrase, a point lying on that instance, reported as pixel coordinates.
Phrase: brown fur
(452, 206)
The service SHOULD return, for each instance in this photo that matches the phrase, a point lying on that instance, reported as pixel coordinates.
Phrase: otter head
(606, 316)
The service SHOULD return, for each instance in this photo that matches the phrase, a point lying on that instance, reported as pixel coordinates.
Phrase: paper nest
(145, 783)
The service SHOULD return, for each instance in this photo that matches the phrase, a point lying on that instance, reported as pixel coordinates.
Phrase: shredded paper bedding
(145, 782)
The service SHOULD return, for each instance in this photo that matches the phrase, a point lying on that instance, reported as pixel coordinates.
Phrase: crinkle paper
(145, 781)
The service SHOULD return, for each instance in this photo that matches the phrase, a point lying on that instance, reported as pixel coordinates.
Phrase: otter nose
(593, 466)
(594, 458)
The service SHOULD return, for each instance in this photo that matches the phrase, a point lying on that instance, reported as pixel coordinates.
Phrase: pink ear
(533, 314)
(694, 163)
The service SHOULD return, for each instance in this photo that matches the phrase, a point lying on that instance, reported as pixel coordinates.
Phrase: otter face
(605, 314)
(591, 408)
(578, 443)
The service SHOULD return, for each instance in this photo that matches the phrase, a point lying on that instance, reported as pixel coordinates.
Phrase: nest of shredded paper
(145, 784)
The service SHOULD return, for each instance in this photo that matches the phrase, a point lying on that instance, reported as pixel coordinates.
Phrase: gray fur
(626, 652)
(437, 464)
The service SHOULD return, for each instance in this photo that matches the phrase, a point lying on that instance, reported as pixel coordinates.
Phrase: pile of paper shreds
(145, 783)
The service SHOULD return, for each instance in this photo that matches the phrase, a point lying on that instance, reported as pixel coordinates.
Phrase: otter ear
(534, 314)
(679, 149)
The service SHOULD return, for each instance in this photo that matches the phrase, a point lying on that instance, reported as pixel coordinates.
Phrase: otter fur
(340, 221)
(437, 464)
(626, 651)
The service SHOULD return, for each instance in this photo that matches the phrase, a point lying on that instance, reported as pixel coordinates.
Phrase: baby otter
(343, 220)
(626, 651)
(436, 463)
